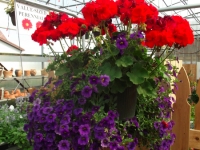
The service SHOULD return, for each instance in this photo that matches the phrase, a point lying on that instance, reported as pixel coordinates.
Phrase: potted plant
(10, 9)
(12, 120)
(116, 94)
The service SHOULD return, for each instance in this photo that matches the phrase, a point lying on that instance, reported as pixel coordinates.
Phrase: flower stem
(66, 42)
(54, 53)
(162, 61)
(62, 47)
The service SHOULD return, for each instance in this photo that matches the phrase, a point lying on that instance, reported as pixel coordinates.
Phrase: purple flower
(38, 137)
(26, 127)
(64, 145)
(93, 80)
(83, 140)
(101, 51)
(169, 66)
(59, 101)
(95, 109)
(49, 126)
(65, 119)
(113, 145)
(84, 129)
(42, 119)
(156, 125)
(131, 146)
(64, 127)
(65, 134)
(37, 102)
(47, 110)
(135, 121)
(75, 127)
(86, 92)
(99, 134)
(137, 35)
(48, 82)
(78, 111)
(120, 148)
(86, 119)
(112, 114)
(51, 118)
(82, 101)
(105, 143)
(50, 137)
(94, 89)
(104, 80)
(121, 43)
(56, 84)
(69, 105)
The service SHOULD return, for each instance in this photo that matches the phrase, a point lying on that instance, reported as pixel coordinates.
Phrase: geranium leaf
(61, 70)
(124, 61)
(110, 70)
(147, 89)
(137, 74)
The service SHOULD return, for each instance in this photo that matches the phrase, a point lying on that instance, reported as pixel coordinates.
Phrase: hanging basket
(126, 103)
(12, 16)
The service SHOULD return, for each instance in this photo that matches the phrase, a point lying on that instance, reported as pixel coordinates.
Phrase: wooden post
(181, 114)
(197, 110)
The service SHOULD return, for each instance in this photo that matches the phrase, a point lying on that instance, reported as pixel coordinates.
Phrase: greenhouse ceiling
(189, 9)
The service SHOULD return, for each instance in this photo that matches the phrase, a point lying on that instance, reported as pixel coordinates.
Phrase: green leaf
(137, 74)
(61, 70)
(124, 61)
(114, 50)
(112, 71)
(147, 89)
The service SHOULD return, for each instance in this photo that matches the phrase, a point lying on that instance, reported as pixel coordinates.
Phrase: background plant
(12, 121)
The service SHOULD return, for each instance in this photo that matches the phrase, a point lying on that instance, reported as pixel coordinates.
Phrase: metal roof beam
(179, 7)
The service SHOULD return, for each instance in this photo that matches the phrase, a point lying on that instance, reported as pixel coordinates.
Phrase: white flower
(11, 107)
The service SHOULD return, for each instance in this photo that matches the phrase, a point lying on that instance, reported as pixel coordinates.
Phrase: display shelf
(23, 77)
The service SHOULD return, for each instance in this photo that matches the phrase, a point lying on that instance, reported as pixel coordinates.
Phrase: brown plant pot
(126, 103)
(27, 73)
(7, 74)
(44, 72)
(18, 73)
(12, 16)
(33, 72)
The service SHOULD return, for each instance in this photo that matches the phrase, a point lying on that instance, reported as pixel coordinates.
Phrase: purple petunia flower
(42, 119)
(121, 43)
(56, 84)
(69, 105)
(137, 35)
(51, 118)
(83, 140)
(112, 114)
(75, 127)
(37, 102)
(120, 148)
(65, 134)
(169, 66)
(64, 145)
(65, 119)
(93, 80)
(84, 129)
(59, 101)
(94, 89)
(82, 101)
(50, 137)
(95, 109)
(99, 134)
(38, 137)
(113, 145)
(48, 82)
(104, 80)
(78, 111)
(105, 143)
(47, 110)
(49, 126)
(86, 92)
(26, 127)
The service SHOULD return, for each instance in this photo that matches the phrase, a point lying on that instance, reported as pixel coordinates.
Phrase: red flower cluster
(100, 10)
(59, 25)
(136, 11)
(71, 48)
(168, 30)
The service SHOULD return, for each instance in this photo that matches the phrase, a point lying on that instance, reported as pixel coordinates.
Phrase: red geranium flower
(26, 24)
(38, 24)
(71, 48)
